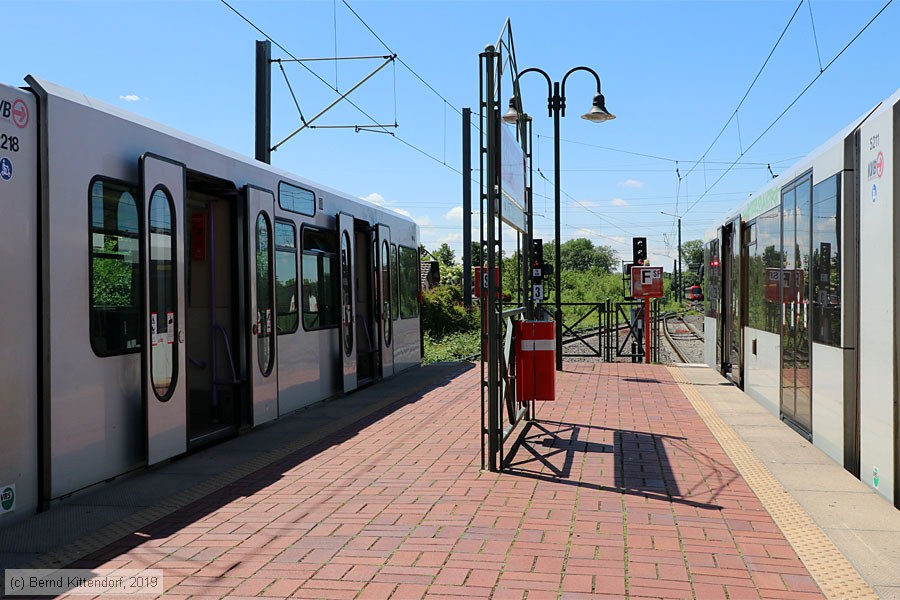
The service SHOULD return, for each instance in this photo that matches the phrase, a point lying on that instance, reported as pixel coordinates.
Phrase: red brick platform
(620, 490)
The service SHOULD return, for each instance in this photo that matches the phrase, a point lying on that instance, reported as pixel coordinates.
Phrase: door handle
(181, 336)
(255, 329)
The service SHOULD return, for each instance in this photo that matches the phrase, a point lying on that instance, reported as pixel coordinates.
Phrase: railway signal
(639, 250)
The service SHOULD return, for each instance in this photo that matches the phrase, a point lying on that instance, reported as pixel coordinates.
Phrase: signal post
(646, 283)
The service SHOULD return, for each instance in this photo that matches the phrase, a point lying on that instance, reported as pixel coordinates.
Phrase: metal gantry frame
(500, 411)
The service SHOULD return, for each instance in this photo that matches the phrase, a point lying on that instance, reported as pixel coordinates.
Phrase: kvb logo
(17, 111)
(876, 167)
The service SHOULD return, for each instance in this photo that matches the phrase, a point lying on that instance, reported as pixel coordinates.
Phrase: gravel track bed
(689, 344)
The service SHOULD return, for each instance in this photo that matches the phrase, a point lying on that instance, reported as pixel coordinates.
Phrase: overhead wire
(657, 157)
(353, 104)
(747, 93)
(795, 100)
(815, 37)
(400, 60)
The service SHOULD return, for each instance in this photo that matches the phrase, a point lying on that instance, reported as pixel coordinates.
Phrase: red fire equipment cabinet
(535, 360)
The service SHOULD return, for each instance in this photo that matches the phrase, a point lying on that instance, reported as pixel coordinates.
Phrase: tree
(580, 254)
(477, 253)
(445, 255)
(692, 253)
(607, 259)
(577, 255)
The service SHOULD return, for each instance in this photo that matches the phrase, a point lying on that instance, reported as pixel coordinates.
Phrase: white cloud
(454, 214)
(451, 239)
(619, 202)
(130, 98)
(632, 183)
(379, 200)
(374, 198)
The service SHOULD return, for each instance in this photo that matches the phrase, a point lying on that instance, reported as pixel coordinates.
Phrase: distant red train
(694, 292)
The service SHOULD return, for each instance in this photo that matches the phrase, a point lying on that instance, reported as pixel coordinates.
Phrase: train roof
(58, 91)
(768, 196)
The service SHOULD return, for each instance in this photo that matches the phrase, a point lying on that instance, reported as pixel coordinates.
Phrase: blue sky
(672, 72)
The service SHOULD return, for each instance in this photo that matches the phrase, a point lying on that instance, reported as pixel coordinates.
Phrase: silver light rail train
(158, 293)
(803, 302)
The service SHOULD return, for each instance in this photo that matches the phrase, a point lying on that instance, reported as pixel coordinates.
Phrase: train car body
(160, 293)
(803, 298)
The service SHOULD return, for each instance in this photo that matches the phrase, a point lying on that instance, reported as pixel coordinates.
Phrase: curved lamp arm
(566, 76)
(549, 89)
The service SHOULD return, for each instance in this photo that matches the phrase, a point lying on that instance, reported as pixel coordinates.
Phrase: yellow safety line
(832, 571)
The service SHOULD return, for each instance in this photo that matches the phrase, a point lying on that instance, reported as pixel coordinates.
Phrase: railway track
(683, 334)
(676, 336)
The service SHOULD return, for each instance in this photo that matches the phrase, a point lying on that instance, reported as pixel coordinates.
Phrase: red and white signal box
(646, 282)
(481, 280)
(535, 360)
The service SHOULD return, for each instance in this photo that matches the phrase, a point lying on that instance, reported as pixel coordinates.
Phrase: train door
(365, 306)
(796, 396)
(346, 244)
(214, 304)
(730, 315)
(262, 375)
(725, 301)
(386, 333)
(165, 392)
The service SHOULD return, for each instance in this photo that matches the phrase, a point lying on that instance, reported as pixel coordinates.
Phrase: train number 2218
(9, 142)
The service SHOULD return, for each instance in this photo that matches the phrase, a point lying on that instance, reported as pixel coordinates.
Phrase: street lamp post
(679, 291)
(556, 108)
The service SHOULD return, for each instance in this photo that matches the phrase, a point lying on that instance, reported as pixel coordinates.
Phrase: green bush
(452, 347)
(443, 313)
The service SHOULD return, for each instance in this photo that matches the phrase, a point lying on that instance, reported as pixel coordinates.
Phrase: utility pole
(679, 292)
(263, 140)
(467, 205)
(680, 295)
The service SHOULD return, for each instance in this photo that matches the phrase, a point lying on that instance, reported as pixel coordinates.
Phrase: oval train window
(162, 294)
(346, 294)
(386, 292)
(265, 338)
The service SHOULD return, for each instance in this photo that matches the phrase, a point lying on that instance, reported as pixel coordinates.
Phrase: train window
(162, 294)
(395, 282)
(287, 315)
(318, 298)
(296, 200)
(764, 263)
(386, 300)
(409, 282)
(711, 281)
(347, 292)
(826, 262)
(265, 341)
(115, 276)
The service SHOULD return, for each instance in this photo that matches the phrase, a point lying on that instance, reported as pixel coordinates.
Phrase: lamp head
(598, 112)
(512, 115)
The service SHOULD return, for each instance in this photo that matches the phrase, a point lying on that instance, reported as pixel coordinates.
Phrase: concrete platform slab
(861, 525)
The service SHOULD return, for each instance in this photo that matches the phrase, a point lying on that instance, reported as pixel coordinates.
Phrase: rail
(670, 338)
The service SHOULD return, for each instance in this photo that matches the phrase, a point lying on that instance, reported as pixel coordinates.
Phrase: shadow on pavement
(254, 482)
(642, 464)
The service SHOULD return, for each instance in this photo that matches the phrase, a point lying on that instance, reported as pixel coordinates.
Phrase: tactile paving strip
(835, 575)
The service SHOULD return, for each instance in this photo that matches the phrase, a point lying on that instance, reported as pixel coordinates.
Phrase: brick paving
(619, 490)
